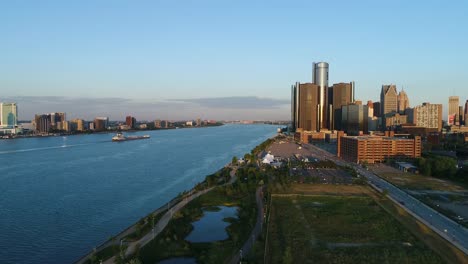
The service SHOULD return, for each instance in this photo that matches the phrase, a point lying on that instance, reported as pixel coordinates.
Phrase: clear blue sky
(165, 50)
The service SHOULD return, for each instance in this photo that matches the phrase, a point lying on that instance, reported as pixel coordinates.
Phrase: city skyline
(161, 53)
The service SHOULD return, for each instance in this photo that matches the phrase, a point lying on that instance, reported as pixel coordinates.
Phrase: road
(445, 227)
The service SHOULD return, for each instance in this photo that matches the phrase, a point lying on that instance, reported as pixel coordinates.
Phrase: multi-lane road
(445, 227)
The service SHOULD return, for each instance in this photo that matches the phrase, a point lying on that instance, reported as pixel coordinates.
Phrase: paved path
(445, 227)
(159, 227)
(255, 232)
(164, 221)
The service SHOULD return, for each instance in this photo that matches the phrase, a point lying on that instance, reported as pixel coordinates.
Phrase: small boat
(120, 137)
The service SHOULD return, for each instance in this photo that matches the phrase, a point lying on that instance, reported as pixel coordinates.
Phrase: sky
(223, 59)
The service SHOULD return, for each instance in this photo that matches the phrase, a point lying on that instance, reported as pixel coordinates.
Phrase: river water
(62, 196)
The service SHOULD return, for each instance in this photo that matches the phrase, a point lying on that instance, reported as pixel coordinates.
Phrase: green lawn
(331, 229)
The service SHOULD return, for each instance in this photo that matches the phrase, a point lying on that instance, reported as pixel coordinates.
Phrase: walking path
(164, 221)
(255, 232)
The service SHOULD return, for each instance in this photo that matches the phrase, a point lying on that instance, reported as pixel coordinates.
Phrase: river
(62, 196)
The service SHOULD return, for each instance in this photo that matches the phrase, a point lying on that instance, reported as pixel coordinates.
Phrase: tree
(234, 160)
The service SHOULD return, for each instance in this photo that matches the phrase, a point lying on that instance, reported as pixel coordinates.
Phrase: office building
(395, 120)
(340, 94)
(377, 109)
(454, 102)
(307, 107)
(376, 149)
(354, 119)
(43, 123)
(101, 123)
(130, 122)
(460, 116)
(403, 102)
(77, 124)
(465, 115)
(426, 115)
(8, 118)
(320, 78)
(370, 109)
(388, 100)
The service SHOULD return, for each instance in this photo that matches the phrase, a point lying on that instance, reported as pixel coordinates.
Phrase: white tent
(268, 159)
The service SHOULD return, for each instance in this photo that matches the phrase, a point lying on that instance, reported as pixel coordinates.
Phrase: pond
(212, 226)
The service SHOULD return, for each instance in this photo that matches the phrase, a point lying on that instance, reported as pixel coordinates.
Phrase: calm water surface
(212, 227)
(62, 196)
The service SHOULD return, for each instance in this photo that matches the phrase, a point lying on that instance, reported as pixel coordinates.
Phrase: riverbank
(166, 239)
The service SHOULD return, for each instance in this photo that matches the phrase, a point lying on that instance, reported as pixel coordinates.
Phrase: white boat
(120, 137)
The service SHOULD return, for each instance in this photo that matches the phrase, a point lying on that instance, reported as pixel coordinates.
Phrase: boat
(120, 137)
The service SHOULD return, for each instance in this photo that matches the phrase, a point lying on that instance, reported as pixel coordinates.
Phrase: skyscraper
(43, 123)
(8, 118)
(388, 100)
(454, 101)
(377, 109)
(340, 94)
(308, 106)
(320, 78)
(460, 117)
(403, 102)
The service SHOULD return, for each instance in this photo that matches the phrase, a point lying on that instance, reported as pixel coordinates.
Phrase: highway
(445, 227)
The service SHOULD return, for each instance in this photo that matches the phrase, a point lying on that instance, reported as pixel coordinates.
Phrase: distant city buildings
(101, 123)
(130, 122)
(454, 102)
(317, 107)
(8, 118)
(388, 100)
(403, 102)
(426, 115)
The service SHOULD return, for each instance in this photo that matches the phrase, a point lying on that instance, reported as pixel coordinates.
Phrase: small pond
(212, 227)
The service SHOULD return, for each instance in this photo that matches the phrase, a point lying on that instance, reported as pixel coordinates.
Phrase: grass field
(333, 229)
(413, 181)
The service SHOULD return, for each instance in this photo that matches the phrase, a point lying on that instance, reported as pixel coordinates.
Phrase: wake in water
(49, 148)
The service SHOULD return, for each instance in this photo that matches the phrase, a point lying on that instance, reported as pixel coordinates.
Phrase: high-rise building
(101, 123)
(354, 118)
(465, 115)
(320, 78)
(461, 119)
(308, 104)
(454, 102)
(130, 122)
(78, 124)
(377, 109)
(388, 100)
(57, 120)
(43, 123)
(370, 109)
(426, 115)
(8, 118)
(403, 102)
(339, 94)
